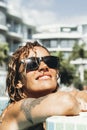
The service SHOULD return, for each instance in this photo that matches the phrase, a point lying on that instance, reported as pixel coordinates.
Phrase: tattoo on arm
(28, 104)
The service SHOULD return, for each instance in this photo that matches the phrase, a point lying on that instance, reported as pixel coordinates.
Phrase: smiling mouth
(44, 77)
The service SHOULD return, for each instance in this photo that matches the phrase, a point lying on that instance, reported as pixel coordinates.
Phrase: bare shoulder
(18, 114)
(7, 121)
(11, 116)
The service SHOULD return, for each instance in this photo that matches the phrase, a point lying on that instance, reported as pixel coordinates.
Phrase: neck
(39, 94)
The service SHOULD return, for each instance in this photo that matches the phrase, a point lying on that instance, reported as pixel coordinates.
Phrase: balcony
(3, 28)
(56, 35)
(3, 4)
(60, 49)
(15, 35)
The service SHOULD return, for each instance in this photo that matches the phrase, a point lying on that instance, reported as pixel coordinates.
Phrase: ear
(57, 74)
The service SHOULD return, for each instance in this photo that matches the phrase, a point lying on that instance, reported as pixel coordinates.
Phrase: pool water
(3, 103)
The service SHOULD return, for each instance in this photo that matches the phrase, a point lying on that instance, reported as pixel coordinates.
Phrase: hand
(44, 125)
(83, 105)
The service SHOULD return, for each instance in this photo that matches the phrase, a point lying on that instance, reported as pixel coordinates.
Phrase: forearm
(34, 110)
(38, 110)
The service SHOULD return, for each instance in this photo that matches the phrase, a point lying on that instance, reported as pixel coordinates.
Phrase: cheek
(54, 73)
(29, 79)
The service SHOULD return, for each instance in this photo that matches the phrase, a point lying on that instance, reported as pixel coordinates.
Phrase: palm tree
(78, 52)
(67, 71)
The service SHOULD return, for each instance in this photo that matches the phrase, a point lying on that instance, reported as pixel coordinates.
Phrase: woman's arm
(30, 111)
(59, 103)
(81, 96)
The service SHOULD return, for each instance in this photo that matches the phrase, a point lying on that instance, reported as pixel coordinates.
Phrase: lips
(43, 77)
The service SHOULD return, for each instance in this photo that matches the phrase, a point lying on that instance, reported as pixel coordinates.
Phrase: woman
(32, 87)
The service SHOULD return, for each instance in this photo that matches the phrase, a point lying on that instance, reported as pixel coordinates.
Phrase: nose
(43, 66)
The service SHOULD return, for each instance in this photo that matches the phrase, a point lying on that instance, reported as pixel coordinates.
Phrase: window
(13, 26)
(74, 29)
(68, 29)
(46, 43)
(67, 43)
(2, 0)
(29, 33)
(2, 38)
(2, 18)
(84, 28)
(15, 45)
(65, 29)
(53, 43)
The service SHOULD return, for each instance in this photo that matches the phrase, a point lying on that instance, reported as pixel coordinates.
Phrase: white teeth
(44, 77)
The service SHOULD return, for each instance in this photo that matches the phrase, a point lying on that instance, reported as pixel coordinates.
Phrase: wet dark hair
(16, 70)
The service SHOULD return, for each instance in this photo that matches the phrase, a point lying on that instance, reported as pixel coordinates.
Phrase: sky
(45, 12)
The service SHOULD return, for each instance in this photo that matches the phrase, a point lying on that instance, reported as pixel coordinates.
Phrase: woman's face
(43, 80)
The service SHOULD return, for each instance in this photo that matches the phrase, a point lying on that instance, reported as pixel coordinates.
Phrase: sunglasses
(33, 63)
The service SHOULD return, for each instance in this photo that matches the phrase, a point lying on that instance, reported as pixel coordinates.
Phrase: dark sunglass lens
(52, 62)
(31, 65)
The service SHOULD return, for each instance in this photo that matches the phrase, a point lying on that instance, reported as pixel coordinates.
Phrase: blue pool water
(3, 103)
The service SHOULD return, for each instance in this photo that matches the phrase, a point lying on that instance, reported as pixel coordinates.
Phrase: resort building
(61, 37)
(13, 29)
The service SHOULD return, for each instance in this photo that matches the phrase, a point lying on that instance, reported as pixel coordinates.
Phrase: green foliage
(67, 72)
(3, 53)
(77, 83)
(78, 52)
(85, 75)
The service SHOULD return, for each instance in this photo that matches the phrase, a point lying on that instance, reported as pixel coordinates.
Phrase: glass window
(29, 33)
(65, 29)
(74, 29)
(53, 43)
(2, 18)
(84, 28)
(64, 43)
(46, 43)
(67, 43)
(2, 0)
(68, 29)
(14, 26)
(2, 38)
(15, 45)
